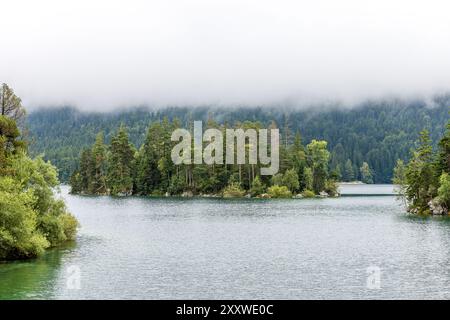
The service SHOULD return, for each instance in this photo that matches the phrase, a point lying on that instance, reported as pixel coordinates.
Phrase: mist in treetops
(375, 132)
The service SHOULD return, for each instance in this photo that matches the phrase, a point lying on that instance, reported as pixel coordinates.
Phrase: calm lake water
(241, 249)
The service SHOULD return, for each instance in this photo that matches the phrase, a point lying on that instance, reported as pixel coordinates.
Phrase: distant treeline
(120, 169)
(377, 132)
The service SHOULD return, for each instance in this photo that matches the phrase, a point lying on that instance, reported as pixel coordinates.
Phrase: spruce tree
(121, 162)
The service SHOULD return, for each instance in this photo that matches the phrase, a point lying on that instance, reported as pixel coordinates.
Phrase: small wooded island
(120, 169)
(32, 219)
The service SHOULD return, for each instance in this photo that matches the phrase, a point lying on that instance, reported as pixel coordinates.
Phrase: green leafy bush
(257, 187)
(233, 190)
(332, 188)
(444, 190)
(308, 194)
(277, 191)
(19, 236)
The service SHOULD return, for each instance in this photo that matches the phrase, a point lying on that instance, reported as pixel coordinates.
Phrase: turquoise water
(141, 248)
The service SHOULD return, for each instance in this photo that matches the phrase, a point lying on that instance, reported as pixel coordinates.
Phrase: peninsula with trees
(32, 219)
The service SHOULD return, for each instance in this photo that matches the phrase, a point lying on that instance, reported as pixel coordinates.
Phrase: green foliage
(10, 104)
(308, 194)
(335, 174)
(444, 190)
(19, 236)
(349, 175)
(290, 180)
(177, 185)
(332, 188)
(443, 158)
(318, 157)
(9, 143)
(308, 178)
(277, 179)
(425, 181)
(31, 218)
(366, 173)
(151, 170)
(120, 164)
(399, 177)
(377, 132)
(420, 177)
(97, 182)
(257, 187)
(39, 178)
(277, 191)
(233, 190)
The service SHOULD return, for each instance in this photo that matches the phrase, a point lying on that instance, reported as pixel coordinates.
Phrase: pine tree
(86, 170)
(121, 162)
(148, 177)
(10, 104)
(318, 158)
(98, 181)
(443, 162)
(349, 174)
(257, 187)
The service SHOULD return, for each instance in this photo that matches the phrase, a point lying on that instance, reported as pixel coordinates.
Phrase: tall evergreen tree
(349, 174)
(98, 181)
(121, 163)
(148, 178)
(10, 104)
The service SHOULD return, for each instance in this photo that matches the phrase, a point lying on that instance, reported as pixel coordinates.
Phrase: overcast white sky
(98, 55)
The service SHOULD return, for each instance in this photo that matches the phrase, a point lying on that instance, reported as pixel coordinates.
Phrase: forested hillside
(377, 132)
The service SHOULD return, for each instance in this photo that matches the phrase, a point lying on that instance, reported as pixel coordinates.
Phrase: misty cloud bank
(105, 54)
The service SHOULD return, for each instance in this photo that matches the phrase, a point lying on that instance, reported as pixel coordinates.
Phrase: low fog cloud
(99, 55)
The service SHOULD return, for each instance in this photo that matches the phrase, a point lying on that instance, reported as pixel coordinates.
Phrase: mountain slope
(378, 132)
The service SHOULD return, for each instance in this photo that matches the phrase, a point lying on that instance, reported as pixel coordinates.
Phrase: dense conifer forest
(120, 169)
(364, 141)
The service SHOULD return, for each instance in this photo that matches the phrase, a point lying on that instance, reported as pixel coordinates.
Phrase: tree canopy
(31, 217)
(375, 132)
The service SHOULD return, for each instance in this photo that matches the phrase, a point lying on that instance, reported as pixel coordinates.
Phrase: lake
(143, 248)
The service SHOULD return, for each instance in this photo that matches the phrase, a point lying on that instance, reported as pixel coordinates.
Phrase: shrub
(444, 189)
(257, 187)
(31, 218)
(290, 180)
(19, 237)
(233, 190)
(277, 191)
(331, 187)
(308, 194)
